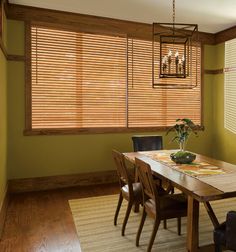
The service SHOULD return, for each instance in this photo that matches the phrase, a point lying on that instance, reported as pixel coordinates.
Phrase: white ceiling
(211, 15)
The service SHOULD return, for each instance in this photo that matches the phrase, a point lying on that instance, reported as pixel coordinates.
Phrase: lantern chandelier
(174, 54)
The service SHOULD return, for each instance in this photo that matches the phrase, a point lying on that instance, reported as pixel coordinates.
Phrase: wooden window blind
(149, 107)
(78, 79)
(229, 86)
(99, 83)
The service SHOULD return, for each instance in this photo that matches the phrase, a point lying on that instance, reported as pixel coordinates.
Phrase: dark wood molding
(3, 210)
(74, 21)
(12, 57)
(72, 131)
(214, 71)
(206, 38)
(202, 84)
(1, 19)
(28, 81)
(225, 35)
(88, 23)
(62, 181)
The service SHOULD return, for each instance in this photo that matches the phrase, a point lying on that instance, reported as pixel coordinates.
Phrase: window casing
(82, 82)
(1, 19)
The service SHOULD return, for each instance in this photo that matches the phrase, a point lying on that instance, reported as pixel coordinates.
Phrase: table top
(203, 188)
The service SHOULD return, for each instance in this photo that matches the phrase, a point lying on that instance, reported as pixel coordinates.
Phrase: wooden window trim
(2, 13)
(90, 23)
(1, 22)
(28, 131)
(28, 83)
(38, 132)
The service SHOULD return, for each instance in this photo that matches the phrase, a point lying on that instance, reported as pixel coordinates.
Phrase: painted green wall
(223, 140)
(33, 156)
(3, 126)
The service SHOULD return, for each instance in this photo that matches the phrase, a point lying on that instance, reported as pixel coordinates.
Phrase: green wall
(223, 140)
(33, 156)
(3, 123)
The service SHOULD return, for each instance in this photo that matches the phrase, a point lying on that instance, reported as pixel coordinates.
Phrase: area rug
(93, 218)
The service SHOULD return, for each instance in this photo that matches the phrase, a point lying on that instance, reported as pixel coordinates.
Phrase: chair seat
(171, 205)
(136, 189)
(219, 234)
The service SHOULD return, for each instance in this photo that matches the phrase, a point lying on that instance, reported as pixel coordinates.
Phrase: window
(229, 86)
(151, 107)
(78, 79)
(98, 83)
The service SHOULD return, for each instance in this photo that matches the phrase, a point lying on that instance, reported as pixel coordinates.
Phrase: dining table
(205, 180)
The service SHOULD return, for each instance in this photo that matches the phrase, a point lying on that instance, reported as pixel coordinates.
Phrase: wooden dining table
(198, 189)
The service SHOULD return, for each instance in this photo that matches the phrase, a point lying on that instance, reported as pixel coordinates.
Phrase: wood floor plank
(42, 221)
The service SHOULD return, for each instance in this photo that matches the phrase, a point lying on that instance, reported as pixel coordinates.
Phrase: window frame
(1, 19)
(67, 131)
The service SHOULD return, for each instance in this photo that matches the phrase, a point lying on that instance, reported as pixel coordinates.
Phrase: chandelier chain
(173, 11)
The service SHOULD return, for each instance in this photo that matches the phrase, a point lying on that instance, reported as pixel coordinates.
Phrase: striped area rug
(93, 218)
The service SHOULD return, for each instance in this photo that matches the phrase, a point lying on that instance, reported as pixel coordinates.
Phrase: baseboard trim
(3, 210)
(61, 181)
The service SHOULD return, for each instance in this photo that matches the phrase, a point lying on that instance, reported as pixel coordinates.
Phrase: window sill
(77, 131)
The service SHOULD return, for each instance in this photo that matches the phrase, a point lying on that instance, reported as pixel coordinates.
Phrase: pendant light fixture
(174, 54)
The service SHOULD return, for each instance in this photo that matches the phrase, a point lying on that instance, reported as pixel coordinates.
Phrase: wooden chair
(147, 143)
(225, 233)
(157, 205)
(128, 189)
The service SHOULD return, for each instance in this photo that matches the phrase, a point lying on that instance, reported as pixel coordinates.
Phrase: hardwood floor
(42, 221)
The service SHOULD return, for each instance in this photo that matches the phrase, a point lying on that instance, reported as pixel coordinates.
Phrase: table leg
(211, 214)
(192, 225)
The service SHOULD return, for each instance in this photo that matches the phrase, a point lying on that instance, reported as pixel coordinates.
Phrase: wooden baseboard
(3, 210)
(61, 181)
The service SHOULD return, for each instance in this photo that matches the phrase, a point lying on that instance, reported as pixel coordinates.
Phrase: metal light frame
(166, 37)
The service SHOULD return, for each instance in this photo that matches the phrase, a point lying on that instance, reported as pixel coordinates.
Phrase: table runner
(195, 169)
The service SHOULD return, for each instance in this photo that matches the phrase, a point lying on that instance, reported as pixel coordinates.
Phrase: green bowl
(182, 157)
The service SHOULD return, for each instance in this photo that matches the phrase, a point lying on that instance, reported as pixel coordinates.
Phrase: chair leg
(118, 208)
(136, 208)
(165, 224)
(128, 210)
(179, 225)
(140, 227)
(218, 248)
(154, 232)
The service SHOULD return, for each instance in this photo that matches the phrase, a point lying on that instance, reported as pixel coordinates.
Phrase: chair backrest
(149, 188)
(146, 143)
(122, 172)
